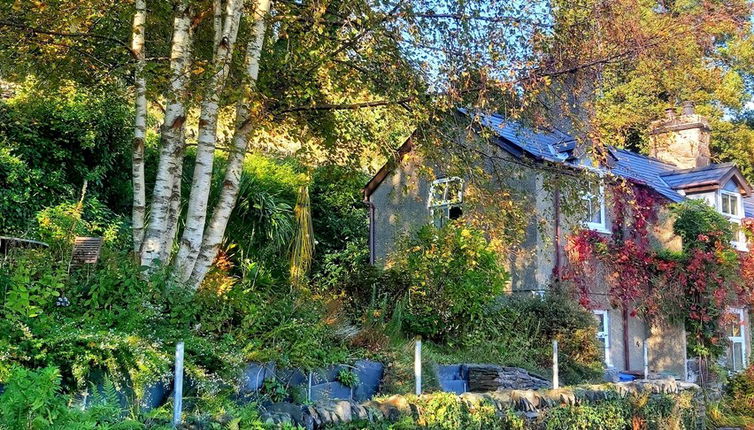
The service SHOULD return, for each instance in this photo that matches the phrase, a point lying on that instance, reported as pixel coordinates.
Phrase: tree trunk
(196, 215)
(140, 126)
(213, 234)
(153, 248)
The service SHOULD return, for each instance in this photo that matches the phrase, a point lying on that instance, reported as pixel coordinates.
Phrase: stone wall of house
(401, 206)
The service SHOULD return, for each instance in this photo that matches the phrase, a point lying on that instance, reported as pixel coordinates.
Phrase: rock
(330, 391)
(253, 376)
(485, 377)
(296, 412)
(370, 376)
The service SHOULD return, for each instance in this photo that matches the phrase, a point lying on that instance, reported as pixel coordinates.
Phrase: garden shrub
(606, 415)
(736, 407)
(518, 331)
(696, 219)
(33, 400)
(51, 142)
(444, 280)
(447, 411)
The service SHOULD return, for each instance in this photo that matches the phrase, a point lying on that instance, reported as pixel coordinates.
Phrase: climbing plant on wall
(694, 286)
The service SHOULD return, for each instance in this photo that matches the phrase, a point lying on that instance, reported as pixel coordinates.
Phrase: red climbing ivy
(695, 286)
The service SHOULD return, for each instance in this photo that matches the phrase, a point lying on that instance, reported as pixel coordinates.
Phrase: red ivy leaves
(699, 286)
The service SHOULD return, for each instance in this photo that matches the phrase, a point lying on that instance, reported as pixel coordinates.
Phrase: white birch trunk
(140, 126)
(174, 213)
(196, 215)
(153, 248)
(215, 230)
(217, 21)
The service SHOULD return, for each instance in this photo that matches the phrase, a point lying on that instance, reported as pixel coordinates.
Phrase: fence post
(418, 365)
(646, 360)
(178, 385)
(555, 381)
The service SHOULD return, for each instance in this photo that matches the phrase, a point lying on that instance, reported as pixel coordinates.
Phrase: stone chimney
(681, 140)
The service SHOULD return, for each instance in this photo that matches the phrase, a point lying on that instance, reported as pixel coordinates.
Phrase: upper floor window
(594, 200)
(730, 204)
(446, 199)
(731, 207)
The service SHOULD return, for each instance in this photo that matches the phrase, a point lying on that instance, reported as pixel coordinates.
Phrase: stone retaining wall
(529, 403)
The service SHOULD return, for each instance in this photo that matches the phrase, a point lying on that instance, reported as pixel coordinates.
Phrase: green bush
(444, 280)
(607, 415)
(738, 398)
(51, 142)
(33, 400)
(518, 331)
(695, 220)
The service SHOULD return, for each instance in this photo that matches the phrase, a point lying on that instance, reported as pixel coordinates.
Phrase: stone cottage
(401, 198)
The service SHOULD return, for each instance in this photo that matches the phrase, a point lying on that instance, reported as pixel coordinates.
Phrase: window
(737, 343)
(729, 204)
(594, 199)
(445, 200)
(603, 333)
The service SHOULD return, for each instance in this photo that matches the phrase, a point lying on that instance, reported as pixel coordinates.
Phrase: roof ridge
(711, 166)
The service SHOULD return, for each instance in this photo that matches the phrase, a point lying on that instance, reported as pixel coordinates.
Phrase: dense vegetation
(221, 154)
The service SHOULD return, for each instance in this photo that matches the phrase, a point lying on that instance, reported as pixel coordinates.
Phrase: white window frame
(738, 203)
(446, 203)
(738, 242)
(604, 334)
(740, 339)
(587, 197)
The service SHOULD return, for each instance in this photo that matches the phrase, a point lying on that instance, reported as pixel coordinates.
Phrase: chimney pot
(670, 113)
(688, 107)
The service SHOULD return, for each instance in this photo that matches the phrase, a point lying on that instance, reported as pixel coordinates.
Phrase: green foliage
(32, 400)
(736, 407)
(262, 222)
(446, 411)
(348, 378)
(445, 279)
(30, 286)
(697, 223)
(338, 212)
(651, 412)
(608, 415)
(52, 141)
(274, 390)
(518, 331)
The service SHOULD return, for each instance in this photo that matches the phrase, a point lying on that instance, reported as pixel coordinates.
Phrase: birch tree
(165, 203)
(213, 234)
(311, 68)
(196, 215)
(140, 126)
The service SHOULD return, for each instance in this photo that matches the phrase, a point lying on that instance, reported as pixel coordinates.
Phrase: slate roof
(559, 147)
(700, 176)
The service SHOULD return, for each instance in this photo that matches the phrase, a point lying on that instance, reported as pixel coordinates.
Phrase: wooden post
(418, 366)
(178, 385)
(555, 381)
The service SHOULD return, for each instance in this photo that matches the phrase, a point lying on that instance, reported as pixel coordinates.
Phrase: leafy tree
(675, 51)
(52, 142)
(445, 278)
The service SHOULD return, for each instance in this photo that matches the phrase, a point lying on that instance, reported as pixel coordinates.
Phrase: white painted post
(418, 366)
(555, 381)
(309, 388)
(646, 361)
(178, 385)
